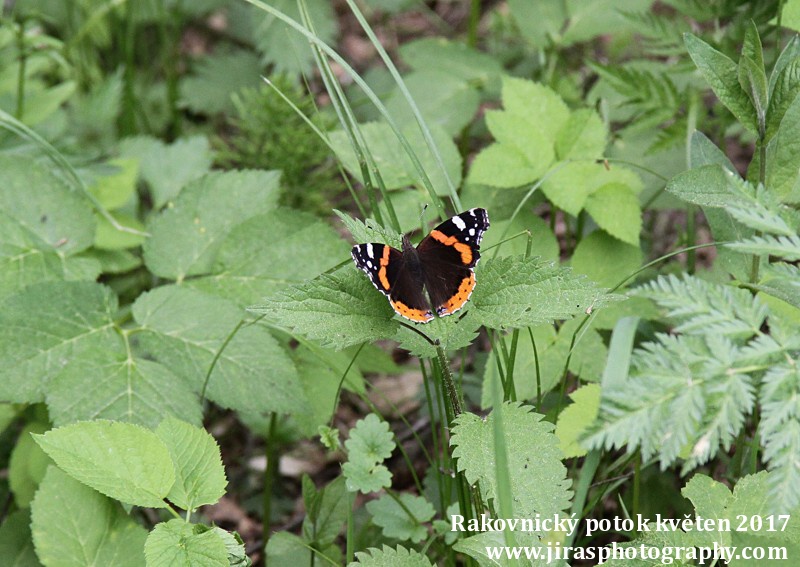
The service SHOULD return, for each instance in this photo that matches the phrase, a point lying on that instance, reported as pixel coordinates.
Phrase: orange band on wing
(382, 271)
(463, 249)
(460, 298)
(417, 315)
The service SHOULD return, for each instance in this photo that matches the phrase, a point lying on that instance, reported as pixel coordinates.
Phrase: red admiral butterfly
(442, 264)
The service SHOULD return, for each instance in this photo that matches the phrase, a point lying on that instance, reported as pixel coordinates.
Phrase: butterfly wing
(385, 267)
(449, 255)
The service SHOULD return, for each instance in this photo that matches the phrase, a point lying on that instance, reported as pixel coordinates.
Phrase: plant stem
(270, 473)
(20, 110)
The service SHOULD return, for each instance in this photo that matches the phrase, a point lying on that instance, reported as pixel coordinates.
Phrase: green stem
(20, 110)
(474, 20)
(270, 474)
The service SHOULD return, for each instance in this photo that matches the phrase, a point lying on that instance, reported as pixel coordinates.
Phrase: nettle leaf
(44, 327)
(103, 384)
(605, 259)
(75, 526)
(370, 443)
(521, 292)
(394, 518)
(167, 168)
(539, 483)
(575, 419)
(369, 230)
(389, 557)
(723, 77)
(214, 76)
(186, 237)
(569, 185)
(397, 169)
(337, 310)
(199, 474)
(16, 543)
(253, 373)
(268, 252)
(181, 543)
(615, 209)
(44, 205)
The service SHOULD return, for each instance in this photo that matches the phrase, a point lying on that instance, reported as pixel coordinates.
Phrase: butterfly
(442, 264)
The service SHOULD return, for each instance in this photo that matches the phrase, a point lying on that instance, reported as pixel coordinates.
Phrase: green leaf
(44, 205)
(521, 292)
(454, 59)
(723, 77)
(46, 325)
(118, 184)
(784, 247)
(75, 526)
(790, 17)
(108, 237)
(252, 373)
(516, 131)
(543, 241)
(287, 550)
(388, 557)
(123, 461)
(396, 168)
(477, 546)
(215, 76)
(187, 236)
(370, 443)
(268, 252)
(452, 333)
(337, 310)
(752, 75)
(180, 543)
(27, 465)
(369, 230)
(199, 474)
(167, 168)
(327, 510)
(604, 259)
(538, 22)
(781, 281)
(576, 418)
(708, 186)
(568, 186)
(787, 87)
(615, 209)
(103, 384)
(16, 543)
(582, 137)
(501, 165)
(394, 518)
(364, 476)
(539, 483)
(536, 103)
(783, 154)
(237, 556)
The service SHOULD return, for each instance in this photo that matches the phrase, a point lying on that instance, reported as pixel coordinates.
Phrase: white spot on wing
(459, 223)
(472, 232)
(370, 253)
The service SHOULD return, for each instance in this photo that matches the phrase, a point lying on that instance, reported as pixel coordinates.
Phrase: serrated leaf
(199, 475)
(186, 237)
(521, 292)
(781, 281)
(513, 130)
(539, 483)
(722, 75)
(268, 252)
(370, 439)
(394, 518)
(568, 186)
(575, 418)
(177, 543)
(365, 476)
(123, 461)
(784, 247)
(501, 165)
(237, 556)
(104, 384)
(337, 310)
(75, 526)
(783, 154)
(16, 543)
(47, 325)
(369, 231)
(477, 546)
(615, 209)
(388, 557)
(536, 103)
(604, 259)
(582, 137)
(27, 465)
(707, 185)
(44, 205)
(167, 168)
(786, 89)
(252, 373)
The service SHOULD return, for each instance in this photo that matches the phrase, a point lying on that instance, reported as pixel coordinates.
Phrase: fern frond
(758, 217)
(784, 247)
(703, 308)
(645, 90)
(663, 33)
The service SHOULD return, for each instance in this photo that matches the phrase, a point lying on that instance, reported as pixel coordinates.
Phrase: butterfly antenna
(421, 217)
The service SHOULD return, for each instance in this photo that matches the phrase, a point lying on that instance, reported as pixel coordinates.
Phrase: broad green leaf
(707, 186)
(42, 104)
(234, 545)
(604, 259)
(338, 310)
(167, 168)
(370, 444)
(215, 76)
(44, 205)
(389, 557)
(783, 154)
(113, 261)
(391, 159)
(104, 384)
(521, 292)
(75, 526)
(539, 22)
(703, 151)
(752, 75)
(123, 461)
(615, 209)
(543, 241)
(787, 87)
(477, 546)
(455, 59)
(394, 518)
(576, 417)
(27, 465)
(16, 543)
(287, 550)
(199, 474)
(252, 373)
(180, 543)
(365, 476)
(582, 137)
(452, 332)
(539, 483)
(327, 510)
(268, 252)
(536, 104)
(723, 77)
(47, 325)
(569, 185)
(502, 165)
(117, 184)
(186, 237)
(369, 231)
(790, 17)
(781, 281)
(107, 237)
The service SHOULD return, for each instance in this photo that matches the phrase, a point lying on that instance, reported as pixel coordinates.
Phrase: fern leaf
(785, 247)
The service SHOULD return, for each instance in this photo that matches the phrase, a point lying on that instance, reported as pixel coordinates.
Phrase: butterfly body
(438, 274)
